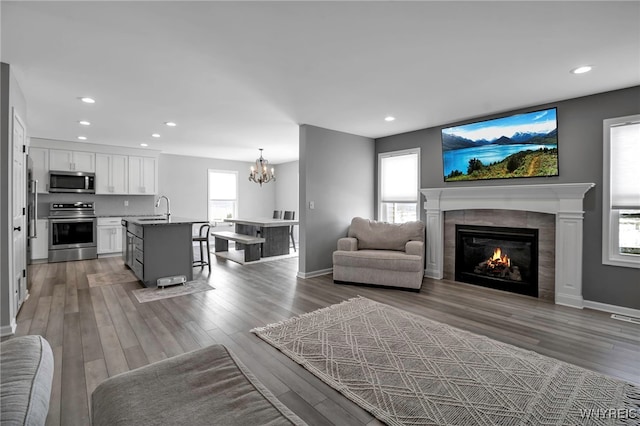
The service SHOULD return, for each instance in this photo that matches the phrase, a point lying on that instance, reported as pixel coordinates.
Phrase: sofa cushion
(26, 373)
(208, 386)
(379, 259)
(376, 235)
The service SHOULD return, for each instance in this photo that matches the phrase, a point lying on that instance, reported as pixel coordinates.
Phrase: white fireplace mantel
(565, 200)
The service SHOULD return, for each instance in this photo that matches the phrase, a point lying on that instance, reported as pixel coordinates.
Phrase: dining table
(274, 231)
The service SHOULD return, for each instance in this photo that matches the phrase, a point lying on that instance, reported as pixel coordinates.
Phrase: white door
(19, 206)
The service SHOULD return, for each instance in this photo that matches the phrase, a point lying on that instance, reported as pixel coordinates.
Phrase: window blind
(625, 166)
(399, 178)
(222, 186)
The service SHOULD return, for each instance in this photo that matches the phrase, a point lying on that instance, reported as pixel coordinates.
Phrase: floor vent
(626, 319)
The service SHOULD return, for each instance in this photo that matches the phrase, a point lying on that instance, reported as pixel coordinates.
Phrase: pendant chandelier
(261, 173)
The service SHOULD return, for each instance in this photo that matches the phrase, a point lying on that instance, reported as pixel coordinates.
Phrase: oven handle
(74, 220)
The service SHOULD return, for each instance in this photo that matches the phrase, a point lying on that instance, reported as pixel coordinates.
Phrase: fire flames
(498, 259)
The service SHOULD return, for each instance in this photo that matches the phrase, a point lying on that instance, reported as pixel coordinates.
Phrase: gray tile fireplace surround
(544, 222)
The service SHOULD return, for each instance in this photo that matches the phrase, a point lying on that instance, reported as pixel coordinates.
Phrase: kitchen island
(154, 247)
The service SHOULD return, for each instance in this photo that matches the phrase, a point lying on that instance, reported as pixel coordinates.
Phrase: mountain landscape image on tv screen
(521, 145)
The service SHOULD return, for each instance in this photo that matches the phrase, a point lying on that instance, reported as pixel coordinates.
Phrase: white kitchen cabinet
(109, 235)
(40, 171)
(112, 174)
(143, 175)
(72, 161)
(40, 244)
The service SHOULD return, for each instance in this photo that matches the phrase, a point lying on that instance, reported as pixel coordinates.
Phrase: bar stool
(202, 238)
(291, 215)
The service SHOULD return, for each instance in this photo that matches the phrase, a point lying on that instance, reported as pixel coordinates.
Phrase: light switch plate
(312, 205)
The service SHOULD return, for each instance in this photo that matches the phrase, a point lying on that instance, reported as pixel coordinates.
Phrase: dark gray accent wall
(580, 160)
(337, 174)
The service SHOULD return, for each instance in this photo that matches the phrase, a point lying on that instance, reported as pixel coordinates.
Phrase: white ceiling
(238, 76)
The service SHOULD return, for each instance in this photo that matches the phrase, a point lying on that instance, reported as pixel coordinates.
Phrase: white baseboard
(569, 300)
(305, 275)
(8, 330)
(432, 273)
(614, 309)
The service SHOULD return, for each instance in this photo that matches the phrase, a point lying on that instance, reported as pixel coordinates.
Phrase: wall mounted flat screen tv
(521, 145)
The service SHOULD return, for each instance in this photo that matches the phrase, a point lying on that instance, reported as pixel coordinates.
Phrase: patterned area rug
(406, 369)
(151, 294)
(110, 278)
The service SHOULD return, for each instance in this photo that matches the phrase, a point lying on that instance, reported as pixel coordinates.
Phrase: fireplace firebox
(498, 257)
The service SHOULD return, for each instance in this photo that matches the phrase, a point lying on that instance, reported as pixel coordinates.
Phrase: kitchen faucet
(168, 205)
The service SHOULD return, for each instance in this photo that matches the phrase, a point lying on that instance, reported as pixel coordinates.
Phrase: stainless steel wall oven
(72, 232)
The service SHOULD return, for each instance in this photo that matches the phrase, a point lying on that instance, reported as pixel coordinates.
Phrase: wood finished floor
(96, 332)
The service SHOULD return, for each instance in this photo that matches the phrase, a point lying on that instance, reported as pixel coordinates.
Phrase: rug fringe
(632, 396)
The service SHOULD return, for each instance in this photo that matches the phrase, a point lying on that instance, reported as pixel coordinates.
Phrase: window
(621, 192)
(223, 195)
(398, 178)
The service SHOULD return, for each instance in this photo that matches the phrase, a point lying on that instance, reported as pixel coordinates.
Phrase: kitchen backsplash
(105, 205)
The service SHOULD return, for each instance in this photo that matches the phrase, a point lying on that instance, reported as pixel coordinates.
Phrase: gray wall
(337, 174)
(10, 97)
(580, 160)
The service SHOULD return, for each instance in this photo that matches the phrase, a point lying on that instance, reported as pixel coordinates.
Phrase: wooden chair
(290, 215)
(277, 214)
(203, 239)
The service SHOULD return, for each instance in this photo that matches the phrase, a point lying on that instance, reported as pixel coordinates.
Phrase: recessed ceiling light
(389, 118)
(155, 135)
(85, 123)
(88, 100)
(581, 70)
(144, 144)
(170, 124)
(82, 138)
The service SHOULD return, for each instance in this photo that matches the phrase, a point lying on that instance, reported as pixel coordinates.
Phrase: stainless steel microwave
(75, 182)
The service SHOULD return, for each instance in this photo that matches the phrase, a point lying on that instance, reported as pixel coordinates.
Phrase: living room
(329, 177)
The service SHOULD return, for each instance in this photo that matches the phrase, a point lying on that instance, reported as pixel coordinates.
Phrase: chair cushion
(378, 259)
(372, 234)
(26, 373)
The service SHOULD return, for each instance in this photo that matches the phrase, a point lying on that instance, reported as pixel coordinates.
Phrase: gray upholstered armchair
(381, 253)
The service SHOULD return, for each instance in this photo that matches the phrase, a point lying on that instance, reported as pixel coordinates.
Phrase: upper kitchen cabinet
(40, 167)
(72, 161)
(112, 174)
(143, 175)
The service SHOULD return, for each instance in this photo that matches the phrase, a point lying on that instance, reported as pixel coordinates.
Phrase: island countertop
(158, 220)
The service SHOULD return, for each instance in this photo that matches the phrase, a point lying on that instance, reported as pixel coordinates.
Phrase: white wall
(287, 190)
(184, 180)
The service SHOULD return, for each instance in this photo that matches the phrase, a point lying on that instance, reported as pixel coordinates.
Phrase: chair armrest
(348, 244)
(415, 248)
